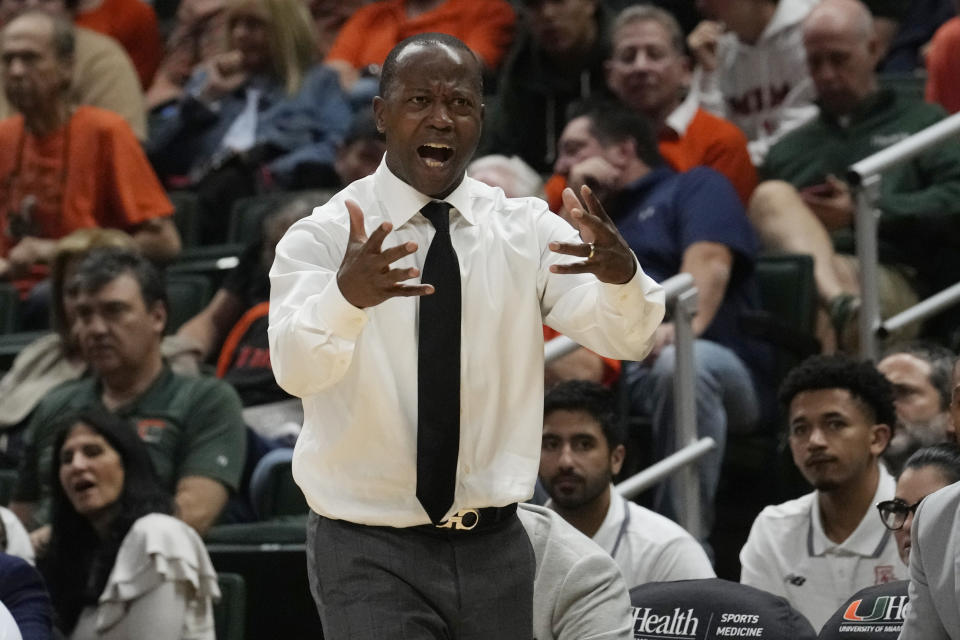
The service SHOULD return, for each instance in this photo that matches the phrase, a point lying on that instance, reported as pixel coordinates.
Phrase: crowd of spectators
(711, 134)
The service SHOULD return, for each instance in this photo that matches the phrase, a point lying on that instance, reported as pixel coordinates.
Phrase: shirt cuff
(330, 310)
(637, 290)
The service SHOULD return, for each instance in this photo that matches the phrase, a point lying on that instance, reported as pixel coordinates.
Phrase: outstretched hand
(365, 277)
(607, 254)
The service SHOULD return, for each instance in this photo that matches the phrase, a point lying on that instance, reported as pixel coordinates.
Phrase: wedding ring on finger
(592, 248)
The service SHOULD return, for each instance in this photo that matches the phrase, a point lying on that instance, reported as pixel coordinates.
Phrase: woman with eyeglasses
(927, 470)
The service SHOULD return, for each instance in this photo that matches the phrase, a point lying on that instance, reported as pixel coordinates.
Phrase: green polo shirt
(919, 200)
(192, 426)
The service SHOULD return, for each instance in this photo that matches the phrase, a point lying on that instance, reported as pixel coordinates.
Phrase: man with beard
(581, 451)
(920, 373)
(422, 399)
(818, 549)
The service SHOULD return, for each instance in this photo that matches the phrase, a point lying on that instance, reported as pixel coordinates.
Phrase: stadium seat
(186, 212)
(188, 294)
(229, 615)
(9, 305)
(248, 213)
(273, 492)
(873, 613)
(8, 478)
(713, 609)
(275, 574)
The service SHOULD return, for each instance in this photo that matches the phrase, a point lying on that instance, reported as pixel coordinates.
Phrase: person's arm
(199, 500)
(323, 277)
(208, 328)
(614, 312)
(710, 264)
(158, 239)
(28, 252)
(922, 622)
(26, 597)
(592, 603)
(705, 48)
(214, 453)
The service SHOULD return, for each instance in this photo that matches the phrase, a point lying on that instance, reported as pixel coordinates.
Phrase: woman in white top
(119, 565)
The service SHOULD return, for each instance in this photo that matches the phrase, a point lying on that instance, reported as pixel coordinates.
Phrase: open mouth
(82, 485)
(435, 155)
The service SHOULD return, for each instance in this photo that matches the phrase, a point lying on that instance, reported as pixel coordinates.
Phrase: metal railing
(681, 301)
(865, 178)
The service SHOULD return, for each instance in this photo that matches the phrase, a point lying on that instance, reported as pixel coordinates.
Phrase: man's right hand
(703, 43)
(597, 173)
(365, 277)
(225, 73)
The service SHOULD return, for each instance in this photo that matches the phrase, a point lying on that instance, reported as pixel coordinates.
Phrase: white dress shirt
(356, 369)
(789, 555)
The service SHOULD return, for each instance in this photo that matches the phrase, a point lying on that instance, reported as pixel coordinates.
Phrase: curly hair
(78, 561)
(593, 399)
(861, 379)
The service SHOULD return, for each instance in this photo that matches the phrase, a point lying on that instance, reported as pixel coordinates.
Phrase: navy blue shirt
(663, 213)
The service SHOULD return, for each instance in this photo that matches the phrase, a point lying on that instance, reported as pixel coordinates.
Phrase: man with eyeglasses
(818, 549)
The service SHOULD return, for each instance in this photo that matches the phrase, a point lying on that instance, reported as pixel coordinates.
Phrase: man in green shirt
(193, 427)
(807, 208)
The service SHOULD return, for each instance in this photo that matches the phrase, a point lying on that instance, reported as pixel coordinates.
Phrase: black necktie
(438, 370)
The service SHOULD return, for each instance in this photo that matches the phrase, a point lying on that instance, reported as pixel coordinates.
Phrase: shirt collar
(681, 117)
(402, 202)
(870, 536)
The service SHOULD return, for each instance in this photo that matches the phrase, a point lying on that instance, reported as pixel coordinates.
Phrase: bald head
(842, 51)
(36, 56)
(441, 43)
(850, 16)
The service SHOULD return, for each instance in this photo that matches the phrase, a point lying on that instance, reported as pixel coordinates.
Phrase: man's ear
(378, 106)
(623, 153)
(158, 314)
(880, 438)
(616, 458)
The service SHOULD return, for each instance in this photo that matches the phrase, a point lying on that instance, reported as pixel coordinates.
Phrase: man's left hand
(607, 254)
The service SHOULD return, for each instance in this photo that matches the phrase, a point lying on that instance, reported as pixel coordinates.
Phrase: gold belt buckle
(461, 520)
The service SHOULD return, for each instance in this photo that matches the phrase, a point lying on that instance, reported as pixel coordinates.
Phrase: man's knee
(774, 200)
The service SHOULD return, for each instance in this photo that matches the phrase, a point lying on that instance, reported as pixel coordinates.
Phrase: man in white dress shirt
(582, 450)
(347, 333)
(819, 549)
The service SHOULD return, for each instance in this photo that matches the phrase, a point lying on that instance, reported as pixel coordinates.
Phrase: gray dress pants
(421, 583)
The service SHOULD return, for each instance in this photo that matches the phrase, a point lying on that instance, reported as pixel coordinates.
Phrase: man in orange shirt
(66, 168)
(486, 26)
(649, 72)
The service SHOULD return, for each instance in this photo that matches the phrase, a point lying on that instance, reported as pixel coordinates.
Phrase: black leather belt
(467, 520)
